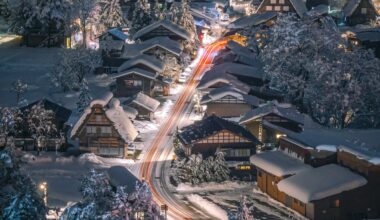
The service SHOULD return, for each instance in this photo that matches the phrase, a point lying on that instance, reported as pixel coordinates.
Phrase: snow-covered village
(189, 109)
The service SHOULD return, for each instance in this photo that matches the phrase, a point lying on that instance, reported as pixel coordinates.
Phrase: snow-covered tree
(22, 15)
(221, 170)
(69, 73)
(244, 212)
(158, 11)
(178, 150)
(40, 124)
(19, 88)
(18, 194)
(141, 16)
(142, 202)
(86, 11)
(84, 98)
(9, 118)
(52, 14)
(110, 14)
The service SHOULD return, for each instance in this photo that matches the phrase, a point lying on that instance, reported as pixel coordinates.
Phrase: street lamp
(43, 187)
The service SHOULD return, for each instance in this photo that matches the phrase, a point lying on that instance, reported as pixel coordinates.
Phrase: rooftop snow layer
(166, 24)
(321, 182)
(146, 102)
(282, 110)
(146, 60)
(137, 71)
(132, 50)
(236, 69)
(212, 79)
(218, 93)
(210, 126)
(252, 20)
(118, 34)
(278, 163)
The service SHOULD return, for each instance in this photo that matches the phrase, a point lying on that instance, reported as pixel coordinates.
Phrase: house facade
(163, 28)
(105, 129)
(133, 81)
(359, 12)
(283, 6)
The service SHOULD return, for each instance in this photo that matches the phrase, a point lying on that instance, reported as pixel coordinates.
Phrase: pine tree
(157, 12)
(23, 16)
(243, 210)
(84, 98)
(19, 88)
(221, 170)
(141, 16)
(52, 14)
(110, 14)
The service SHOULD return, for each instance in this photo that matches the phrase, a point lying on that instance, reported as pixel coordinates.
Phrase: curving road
(151, 169)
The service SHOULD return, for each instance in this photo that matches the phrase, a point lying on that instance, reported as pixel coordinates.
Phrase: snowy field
(63, 174)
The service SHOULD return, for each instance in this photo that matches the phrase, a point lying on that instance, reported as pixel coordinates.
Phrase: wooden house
(270, 121)
(359, 12)
(105, 129)
(266, 18)
(228, 102)
(274, 166)
(163, 28)
(60, 117)
(367, 38)
(213, 81)
(112, 42)
(283, 6)
(212, 134)
(145, 105)
(236, 53)
(327, 192)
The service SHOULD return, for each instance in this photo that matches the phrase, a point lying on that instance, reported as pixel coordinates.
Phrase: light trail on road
(147, 170)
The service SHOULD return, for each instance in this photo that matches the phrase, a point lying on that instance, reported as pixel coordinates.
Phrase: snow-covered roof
(118, 34)
(299, 6)
(172, 46)
(121, 121)
(102, 102)
(371, 35)
(137, 71)
(210, 126)
(237, 69)
(130, 111)
(321, 182)
(278, 163)
(318, 11)
(145, 101)
(221, 92)
(212, 79)
(61, 113)
(283, 110)
(252, 20)
(121, 176)
(351, 6)
(112, 45)
(180, 31)
(146, 60)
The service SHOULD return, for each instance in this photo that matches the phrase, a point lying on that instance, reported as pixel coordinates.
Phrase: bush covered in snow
(102, 201)
(18, 195)
(195, 170)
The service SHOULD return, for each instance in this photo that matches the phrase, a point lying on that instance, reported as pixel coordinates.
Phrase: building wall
(124, 90)
(358, 17)
(276, 5)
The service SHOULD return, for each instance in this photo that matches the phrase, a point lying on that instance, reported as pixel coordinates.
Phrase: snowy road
(159, 153)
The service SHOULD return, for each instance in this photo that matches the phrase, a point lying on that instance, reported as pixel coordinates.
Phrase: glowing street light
(43, 187)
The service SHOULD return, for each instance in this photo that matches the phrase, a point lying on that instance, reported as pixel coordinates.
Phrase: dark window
(335, 203)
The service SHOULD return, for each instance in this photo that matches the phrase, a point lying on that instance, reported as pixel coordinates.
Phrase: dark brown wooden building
(145, 105)
(359, 12)
(105, 129)
(283, 6)
(268, 121)
(228, 102)
(212, 134)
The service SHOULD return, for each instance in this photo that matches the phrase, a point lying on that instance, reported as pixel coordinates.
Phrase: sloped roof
(371, 35)
(282, 110)
(61, 113)
(121, 176)
(118, 34)
(180, 31)
(237, 69)
(229, 79)
(221, 92)
(278, 163)
(138, 71)
(210, 126)
(132, 50)
(299, 6)
(321, 182)
(252, 20)
(145, 101)
(146, 60)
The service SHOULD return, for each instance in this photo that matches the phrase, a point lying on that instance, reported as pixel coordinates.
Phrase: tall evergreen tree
(84, 98)
(142, 16)
(110, 14)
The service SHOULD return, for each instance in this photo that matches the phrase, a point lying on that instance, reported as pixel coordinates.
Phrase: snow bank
(331, 148)
(228, 185)
(208, 206)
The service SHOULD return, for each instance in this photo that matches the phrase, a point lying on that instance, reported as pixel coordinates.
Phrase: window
(286, 8)
(137, 83)
(98, 118)
(364, 11)
(335, 203)
(268, 8)
(91, 130)
(277, 8)
(281, 2)
(273, 2)
(106, 130)
(239, 153)
(244, 167)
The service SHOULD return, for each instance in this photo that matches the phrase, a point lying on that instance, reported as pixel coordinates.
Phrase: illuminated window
(277, 8)
(364, 10)
(335, 203)
(286, 8)
(91, 130)
(268, 8)
(244, 167)
(137, 83)
(273, 2)
(106, 130)
(281, 2)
